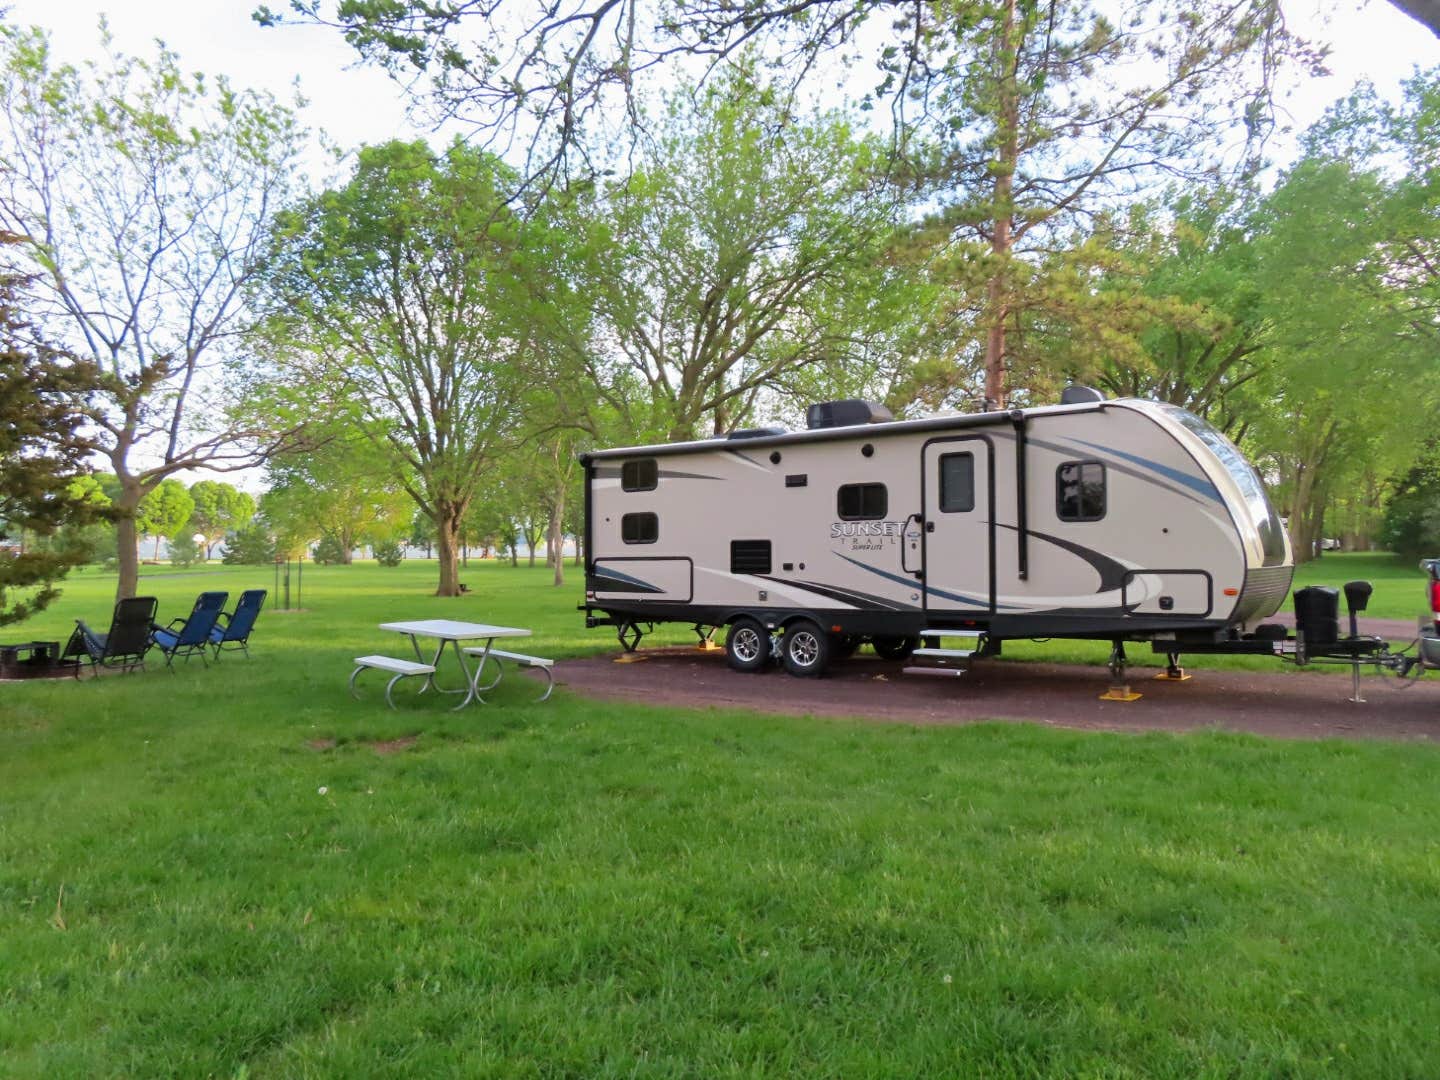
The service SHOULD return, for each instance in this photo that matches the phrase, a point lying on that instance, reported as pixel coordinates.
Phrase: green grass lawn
(578, 889)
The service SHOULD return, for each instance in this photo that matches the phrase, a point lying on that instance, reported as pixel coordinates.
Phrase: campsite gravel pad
(1286, 705)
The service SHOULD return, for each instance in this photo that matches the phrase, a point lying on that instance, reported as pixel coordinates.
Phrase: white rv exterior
(1123, 520)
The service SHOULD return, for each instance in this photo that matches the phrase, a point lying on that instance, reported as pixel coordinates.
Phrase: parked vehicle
(1122, 520)
(1430, 625)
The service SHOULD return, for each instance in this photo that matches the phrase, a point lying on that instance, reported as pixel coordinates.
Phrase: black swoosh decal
(1112, 573)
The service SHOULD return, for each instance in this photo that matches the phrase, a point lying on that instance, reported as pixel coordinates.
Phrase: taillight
(1435, 603)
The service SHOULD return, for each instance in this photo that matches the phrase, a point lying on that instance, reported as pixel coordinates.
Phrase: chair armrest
(225, 616)
(171, 624)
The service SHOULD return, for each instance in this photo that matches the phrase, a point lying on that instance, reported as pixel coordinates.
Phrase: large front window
(1252, 488)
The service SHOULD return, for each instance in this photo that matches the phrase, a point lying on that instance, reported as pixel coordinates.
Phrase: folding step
(952, 633)
(952, 672)
(945, 654)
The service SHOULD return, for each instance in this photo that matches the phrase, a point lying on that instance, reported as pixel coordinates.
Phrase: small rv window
(640, 475)
(957, 483)
(750, 556)
(639, 528)
(861, 502)
(1080, 491)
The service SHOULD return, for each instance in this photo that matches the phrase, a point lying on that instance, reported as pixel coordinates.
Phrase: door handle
(907, 544)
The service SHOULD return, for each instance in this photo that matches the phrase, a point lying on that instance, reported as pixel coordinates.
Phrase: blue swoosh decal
(913, 584)
(616, 575)
(1194, 483)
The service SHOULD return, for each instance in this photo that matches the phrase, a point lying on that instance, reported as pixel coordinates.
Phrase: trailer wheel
(747, 645)
(895, 648)
(805, 649)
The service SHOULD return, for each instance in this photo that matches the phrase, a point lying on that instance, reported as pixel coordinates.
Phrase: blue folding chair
(191, 635)
(232, 630)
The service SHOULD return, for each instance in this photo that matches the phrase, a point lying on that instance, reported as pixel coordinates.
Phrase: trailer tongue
(1317, 638)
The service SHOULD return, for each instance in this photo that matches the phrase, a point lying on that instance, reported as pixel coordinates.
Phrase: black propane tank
(1317, 614)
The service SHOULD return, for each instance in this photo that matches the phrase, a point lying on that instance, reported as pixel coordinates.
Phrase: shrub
(389, 553)
(251, 546)
(184, 551)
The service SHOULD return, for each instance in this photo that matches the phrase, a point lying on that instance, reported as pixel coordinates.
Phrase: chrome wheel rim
(804, 648)
(746, 645)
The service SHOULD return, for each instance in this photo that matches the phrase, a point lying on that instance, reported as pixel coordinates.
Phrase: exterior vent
(829, 414)
(756, 433)
(1075, 394)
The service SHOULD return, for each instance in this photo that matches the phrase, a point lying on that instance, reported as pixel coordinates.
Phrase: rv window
(639, 528)
(750, 556)
(957, 483)
(1080, 491)
(861, 502)
(640, 475)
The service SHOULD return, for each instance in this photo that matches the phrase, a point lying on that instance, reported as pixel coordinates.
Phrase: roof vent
(1075, 394)
(756, 433)
(828, 414)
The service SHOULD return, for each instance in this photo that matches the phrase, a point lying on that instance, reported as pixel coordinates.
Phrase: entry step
(945, 654)
(952, 672)
(952, 633)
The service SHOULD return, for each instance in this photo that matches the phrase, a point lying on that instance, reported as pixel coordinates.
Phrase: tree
(219, 508)
(141, 196)
(165, 511)
(401, 292)
(41, 457)
(251, 545)
(741, 250)
(340, 490)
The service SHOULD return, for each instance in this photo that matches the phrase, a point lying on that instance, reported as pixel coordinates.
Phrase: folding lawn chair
(190, 636)
(232, 630)
(127, 641)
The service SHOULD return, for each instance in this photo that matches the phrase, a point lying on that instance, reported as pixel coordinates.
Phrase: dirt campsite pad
(1286, 705)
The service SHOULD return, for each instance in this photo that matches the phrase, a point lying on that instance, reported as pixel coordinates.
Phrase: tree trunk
(1001, 240)
(127, 543)
(347, 541)
(447, 536)
(557, 545)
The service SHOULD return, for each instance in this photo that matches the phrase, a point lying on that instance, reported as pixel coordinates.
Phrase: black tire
(844, 646)
(895, 648)
(747, 645)
(805, 649)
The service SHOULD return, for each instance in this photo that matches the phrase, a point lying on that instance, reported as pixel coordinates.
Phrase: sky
(354, 104)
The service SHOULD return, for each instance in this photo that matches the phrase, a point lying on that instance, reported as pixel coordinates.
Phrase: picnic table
(452, 632)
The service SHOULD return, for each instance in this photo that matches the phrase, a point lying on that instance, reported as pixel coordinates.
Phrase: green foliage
(389, 553)
(141, 195)
(250, 545)
(184, 552)
(330, 550)
(41, 453)
(340, 487)
(165, 511)
(745, 248)
(219, 507)
(1412, 516)
(399, 300)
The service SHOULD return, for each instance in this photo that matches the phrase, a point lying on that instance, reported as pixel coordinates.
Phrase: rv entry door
(958, 481)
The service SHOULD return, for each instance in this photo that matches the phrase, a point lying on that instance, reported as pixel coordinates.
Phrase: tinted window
(640, 475)
(750, 556)
(1080, 491)
(861, 502)
(1272, 530)
(957, 483)
(639, 528)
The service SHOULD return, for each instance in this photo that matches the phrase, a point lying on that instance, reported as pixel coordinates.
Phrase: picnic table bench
(520, 659)
(401, 668)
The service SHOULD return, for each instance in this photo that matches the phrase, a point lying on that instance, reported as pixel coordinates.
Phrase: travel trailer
(1121, 520)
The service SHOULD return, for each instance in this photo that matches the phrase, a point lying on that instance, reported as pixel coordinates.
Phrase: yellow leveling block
(1120, 693)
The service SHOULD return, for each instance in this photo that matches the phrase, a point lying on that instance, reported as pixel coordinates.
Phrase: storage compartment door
(1167, 592)
(642, 579)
